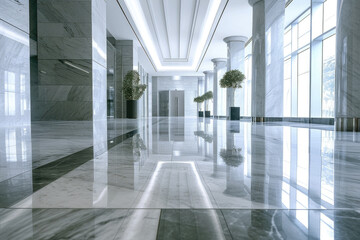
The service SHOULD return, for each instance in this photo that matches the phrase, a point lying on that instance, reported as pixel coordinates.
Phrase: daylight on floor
(179, 119)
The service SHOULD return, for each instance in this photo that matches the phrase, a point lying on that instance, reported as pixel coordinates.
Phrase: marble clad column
(347, 81)
(14, 63)
(258, 61)
(71, 60)
(235, 61)
(208, 85)
(267, 58)
(218, 64)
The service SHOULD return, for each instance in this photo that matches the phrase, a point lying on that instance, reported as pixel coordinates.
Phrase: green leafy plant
(132, 88)
(199, 99)
(208, 95)
(232, 79)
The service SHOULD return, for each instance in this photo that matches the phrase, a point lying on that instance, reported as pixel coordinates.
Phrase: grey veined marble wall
(71, 82)
(347, 81)
(14, 63)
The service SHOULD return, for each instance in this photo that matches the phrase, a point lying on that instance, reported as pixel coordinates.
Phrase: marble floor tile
(181, 224)
(229, 179)
(60, 223)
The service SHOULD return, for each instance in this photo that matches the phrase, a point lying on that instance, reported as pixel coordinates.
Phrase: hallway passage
(179, 178)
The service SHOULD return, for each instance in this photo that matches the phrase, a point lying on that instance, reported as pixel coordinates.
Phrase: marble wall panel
(98, 23)
(16, 13)
(64, 11)
(72, 60)
(347, 93)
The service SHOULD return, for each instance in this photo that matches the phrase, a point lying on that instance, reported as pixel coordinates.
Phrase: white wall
(187, 84)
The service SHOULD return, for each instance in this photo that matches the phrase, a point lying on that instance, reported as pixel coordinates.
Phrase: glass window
(287, 88)
(328, 86)
(304, 32)
(330, 8)
(287, 42)
(304, 83)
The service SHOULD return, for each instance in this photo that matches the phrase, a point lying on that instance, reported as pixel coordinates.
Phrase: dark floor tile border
(23, 185)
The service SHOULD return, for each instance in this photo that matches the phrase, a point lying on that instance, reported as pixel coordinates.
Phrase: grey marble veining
(16, 13)
(258, 59)
(71, 61)
(172, 180)
(347, 87)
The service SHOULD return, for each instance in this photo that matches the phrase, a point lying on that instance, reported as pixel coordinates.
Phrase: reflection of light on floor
(140, 214)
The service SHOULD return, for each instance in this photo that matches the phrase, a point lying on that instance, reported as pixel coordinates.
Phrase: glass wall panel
(328, 86)
(304, 32)
(287, 88)
(304, 83)
(330, 7)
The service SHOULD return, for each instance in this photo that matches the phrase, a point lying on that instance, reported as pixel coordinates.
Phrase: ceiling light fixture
(138, 16)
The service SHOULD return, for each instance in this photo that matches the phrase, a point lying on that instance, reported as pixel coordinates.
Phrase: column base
(258, 119)
(347, 124)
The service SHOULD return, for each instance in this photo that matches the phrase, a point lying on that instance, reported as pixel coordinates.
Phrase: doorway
(177, 103)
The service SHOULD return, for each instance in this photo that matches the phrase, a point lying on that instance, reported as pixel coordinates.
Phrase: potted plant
(200, 100)
(207, 96)
(133, 90)
(232, 79)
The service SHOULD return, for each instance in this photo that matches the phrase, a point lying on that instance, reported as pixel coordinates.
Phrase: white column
(219, 63)
(208, 84)
(235, 61)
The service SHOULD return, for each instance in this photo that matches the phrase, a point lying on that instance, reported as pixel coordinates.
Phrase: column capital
(217, 60)
(252, 2)
(235, 39)
(208, 72)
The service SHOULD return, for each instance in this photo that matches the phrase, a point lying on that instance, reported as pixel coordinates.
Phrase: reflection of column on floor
(215, 148)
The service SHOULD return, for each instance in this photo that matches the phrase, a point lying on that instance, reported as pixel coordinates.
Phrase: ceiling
(179, 37)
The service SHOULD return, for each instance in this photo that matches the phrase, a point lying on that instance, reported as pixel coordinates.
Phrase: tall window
(304, 32)
(329, 21)
(287, 88)
(328, 86)
(304, 83)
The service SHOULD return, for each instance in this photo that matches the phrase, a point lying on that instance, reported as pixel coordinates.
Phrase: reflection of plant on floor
(232, 157)
(137, 145)
(207, 137)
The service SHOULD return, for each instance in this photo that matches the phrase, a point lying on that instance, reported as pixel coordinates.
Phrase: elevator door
(177, 106)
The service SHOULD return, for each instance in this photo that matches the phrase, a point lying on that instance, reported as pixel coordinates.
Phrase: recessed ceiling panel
(174, 33)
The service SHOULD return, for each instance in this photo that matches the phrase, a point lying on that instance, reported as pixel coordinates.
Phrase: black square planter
(201, 114)
(207, 114)
(234, 113)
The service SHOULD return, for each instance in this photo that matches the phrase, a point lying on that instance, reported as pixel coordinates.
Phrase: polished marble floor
(179, 178)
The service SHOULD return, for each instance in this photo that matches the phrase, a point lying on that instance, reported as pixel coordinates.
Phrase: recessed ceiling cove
(174, 33)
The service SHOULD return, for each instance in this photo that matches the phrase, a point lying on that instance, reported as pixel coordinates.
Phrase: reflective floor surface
(179, 178)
